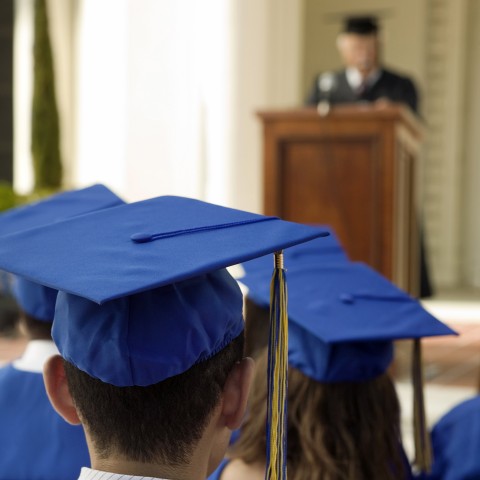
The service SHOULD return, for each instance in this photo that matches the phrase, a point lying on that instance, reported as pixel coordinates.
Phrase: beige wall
(470, 245)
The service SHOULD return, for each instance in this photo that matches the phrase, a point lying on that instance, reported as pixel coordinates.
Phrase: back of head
(9, 315)
(143, 423)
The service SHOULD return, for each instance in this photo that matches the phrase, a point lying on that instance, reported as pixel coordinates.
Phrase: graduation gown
(456, 443)
(389, 85)
(35, 442)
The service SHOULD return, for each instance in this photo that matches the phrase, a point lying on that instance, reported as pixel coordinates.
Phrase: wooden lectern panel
(353, 170)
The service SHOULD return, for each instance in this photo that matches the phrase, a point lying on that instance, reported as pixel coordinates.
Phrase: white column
(101, 94)
(22, 95)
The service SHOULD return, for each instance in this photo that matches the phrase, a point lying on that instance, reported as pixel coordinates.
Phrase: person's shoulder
(394, 76)
(7, 372)
(239, 470)
(465, 411)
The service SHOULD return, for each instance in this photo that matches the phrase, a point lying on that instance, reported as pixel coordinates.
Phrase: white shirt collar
(89, 474)
(35, 355)
(354, 78)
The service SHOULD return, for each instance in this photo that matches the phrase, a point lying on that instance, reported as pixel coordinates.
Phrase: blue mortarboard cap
(35, 299)
(144, 291)
(319, 251)
(57, 207)
(343, 319)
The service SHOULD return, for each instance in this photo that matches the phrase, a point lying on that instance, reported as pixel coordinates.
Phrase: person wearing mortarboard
(35, 442)
(343, 412)
(149, 326)
(456, 443)
(364, 78)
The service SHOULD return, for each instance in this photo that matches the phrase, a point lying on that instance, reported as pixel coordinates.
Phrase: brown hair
(160, 423)
(36, 329)
(341, 431)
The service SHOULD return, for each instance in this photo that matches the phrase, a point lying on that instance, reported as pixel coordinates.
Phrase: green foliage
(8, 198)
(47, 163)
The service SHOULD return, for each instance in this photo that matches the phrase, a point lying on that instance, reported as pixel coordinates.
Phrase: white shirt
(89, 474)
(35, 355)
(354, 78)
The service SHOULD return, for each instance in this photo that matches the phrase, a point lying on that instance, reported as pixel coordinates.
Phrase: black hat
(361, 25)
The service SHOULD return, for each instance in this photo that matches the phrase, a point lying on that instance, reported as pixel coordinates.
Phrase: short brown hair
(160, 423)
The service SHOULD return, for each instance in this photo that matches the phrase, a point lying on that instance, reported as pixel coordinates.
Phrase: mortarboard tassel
(277, 375)
(423, 448)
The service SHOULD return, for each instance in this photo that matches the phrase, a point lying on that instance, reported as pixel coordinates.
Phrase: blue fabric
(343, 319)
(34, 299)
(57, 207)
(456, 443)
(157, 269)
(95, 256)
(317, 252)
(35, 442)
(145, 338)
(37, 300)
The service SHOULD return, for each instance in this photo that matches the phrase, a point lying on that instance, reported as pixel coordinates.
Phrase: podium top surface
(350, 111)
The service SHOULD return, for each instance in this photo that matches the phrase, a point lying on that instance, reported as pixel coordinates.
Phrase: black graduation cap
(361, 25)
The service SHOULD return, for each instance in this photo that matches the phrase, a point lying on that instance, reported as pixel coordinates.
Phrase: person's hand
(382, 103)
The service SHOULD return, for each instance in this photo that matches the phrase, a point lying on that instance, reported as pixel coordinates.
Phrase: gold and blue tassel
(277, 375)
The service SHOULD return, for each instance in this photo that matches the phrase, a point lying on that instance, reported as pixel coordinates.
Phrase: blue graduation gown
(35, 442)
(456, 443)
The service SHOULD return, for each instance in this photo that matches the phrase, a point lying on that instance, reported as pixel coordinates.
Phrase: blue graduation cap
(319, 251)
(57, 207)
(35, 299)
(144, 294)
(343, 320)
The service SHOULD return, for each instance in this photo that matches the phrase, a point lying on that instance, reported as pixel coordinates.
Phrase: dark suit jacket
(389, 85)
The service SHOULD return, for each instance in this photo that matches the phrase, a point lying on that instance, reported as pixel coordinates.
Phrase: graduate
(35, 442)
(343, 411)
(149, 327)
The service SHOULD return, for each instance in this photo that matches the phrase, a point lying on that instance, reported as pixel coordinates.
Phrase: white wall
(22, 100)
(166, 101)
(101, 120)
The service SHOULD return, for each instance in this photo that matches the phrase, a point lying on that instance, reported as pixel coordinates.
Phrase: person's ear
(57, 389)
(235, 393)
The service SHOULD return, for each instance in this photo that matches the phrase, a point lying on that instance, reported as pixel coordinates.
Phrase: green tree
(47, 163)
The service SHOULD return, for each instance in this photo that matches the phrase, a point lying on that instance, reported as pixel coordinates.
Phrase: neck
(196, 467)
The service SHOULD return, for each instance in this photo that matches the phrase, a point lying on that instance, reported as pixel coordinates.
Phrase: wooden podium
(354, 169)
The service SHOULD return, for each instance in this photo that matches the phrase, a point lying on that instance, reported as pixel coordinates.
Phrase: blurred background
(160, 97)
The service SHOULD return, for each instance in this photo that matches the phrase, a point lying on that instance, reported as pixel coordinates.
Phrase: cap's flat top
(348, 303)
(139, 246)
(57, 207)
(318, 252)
